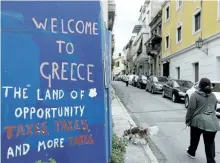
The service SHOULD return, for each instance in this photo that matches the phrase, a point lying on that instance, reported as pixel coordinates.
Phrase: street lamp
(199, 44)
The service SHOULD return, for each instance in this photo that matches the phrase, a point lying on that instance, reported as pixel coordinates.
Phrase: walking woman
(202, 119)
(126, 79)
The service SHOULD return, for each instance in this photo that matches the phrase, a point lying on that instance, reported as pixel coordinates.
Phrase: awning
(137, 28)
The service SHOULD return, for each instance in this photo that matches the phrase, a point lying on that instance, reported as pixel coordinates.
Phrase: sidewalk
(121, 119)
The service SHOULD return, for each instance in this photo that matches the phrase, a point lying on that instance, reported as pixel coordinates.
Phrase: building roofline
(159, 14)
(164, 4)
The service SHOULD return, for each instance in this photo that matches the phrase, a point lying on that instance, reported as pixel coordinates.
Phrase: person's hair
(205, 85)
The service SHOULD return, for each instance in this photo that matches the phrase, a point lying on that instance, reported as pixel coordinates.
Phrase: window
(196, 71)
(178, 72)
(159, 30)
(144, 20)
(183, 83)
(179, 33)
(216, 87)
(197, 21)
(117, 64)
(167, 42)
(160, 79)
(148, 16)
(179, 3)
(218, 10)
(167, 12)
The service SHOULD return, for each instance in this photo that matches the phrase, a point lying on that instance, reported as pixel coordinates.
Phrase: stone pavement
(122, 121)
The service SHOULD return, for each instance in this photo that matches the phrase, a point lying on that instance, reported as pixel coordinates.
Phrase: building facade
(138, 60)
(153, 45)
(109, 10)
(119, 64)
(183, 24)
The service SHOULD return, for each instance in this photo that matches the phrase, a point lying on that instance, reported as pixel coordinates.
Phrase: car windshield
(182, 83)
(160, 79)
(216, 87)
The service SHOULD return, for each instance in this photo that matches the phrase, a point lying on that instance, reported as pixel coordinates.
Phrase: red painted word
(82, 139)
(37, 129)
(71, 125)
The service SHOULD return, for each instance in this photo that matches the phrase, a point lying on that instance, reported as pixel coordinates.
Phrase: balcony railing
(153, 49)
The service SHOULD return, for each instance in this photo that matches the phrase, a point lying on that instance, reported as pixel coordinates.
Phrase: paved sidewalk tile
(122, 121)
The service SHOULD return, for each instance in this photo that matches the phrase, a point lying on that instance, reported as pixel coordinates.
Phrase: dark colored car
(176, 89)
(134, 81)
(142, 81)
(155, 84)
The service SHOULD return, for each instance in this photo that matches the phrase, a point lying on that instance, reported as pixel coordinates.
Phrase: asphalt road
(170, 145)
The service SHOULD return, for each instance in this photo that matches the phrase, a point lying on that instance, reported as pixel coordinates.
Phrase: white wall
(209, 65)
(121, 67)
(105, 11)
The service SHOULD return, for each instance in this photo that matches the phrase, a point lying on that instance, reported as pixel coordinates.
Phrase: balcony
(152, 49)
(153, 45)
(137, 28)
(137, 47)
(111, 14)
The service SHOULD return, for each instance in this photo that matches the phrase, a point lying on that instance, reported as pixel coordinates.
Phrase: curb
(147, 150)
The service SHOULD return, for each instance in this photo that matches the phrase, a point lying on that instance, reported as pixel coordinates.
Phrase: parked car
(216, 91)
(122, 78)
(141, 81)
(130, 77)
(155, 84)
(116, 78)
(176, 89)
(134, 81)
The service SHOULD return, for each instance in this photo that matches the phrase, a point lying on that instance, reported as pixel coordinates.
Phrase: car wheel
(152, 90)
(186, 101)
(163, 94)
(174, 98)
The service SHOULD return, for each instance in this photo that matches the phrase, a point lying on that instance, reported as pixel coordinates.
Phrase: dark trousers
(127, 83)
(209, 141)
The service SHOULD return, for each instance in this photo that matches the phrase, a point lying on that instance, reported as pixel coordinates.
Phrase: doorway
(196, 71)
(166, 69)
(178, 72)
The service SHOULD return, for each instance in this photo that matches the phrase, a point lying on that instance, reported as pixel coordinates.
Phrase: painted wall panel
(59, 65)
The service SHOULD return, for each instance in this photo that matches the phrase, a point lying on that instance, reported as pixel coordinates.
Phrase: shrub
(118, 149)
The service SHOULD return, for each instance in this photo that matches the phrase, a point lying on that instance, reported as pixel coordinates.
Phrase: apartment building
(119, 64)
(137, 57)
(191, 39)
(153, 45)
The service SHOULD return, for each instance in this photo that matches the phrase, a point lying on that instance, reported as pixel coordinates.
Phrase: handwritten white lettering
(47, 113)
(56, 75)
(20, 150)
(18, 92)
(67, 26)
(56, 143)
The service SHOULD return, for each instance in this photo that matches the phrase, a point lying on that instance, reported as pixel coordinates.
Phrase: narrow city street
(147, 109)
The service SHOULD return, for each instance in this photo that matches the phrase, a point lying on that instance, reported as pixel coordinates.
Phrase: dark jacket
(201, 112)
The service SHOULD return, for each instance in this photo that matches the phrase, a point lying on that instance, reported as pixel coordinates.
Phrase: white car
(216, 91)
(130, 77)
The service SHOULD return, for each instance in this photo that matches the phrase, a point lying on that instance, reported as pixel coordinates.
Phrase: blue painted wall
(109, 59)
(24, 49)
